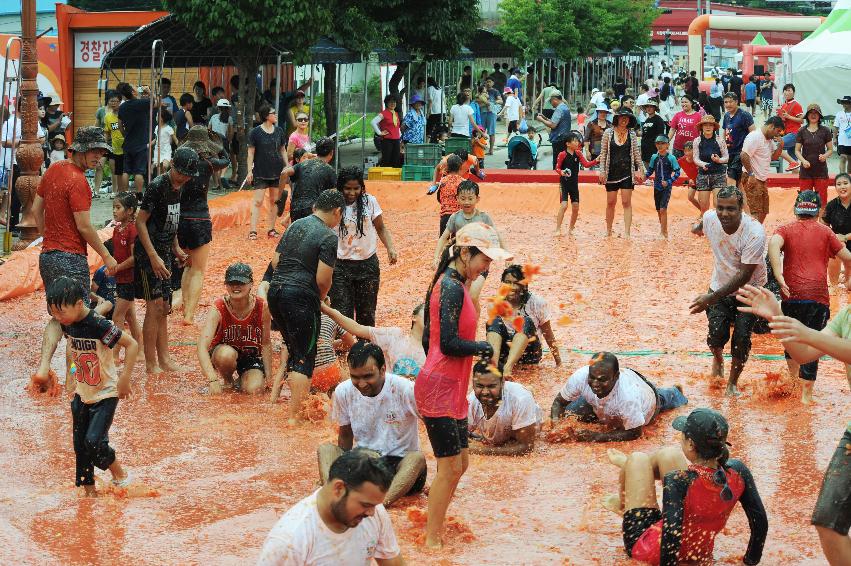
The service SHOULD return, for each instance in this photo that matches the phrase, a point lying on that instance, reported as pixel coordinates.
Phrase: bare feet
(89, 491)
(170, 365)
(558, 233)
(612, 502)
(807, 391)
(616, 457)
(153, 370)
(732, 391)
(433, 545)
(717, 367)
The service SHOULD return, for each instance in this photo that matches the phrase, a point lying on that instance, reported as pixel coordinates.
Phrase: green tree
(116, 5)
(532, 26)
(248, 28)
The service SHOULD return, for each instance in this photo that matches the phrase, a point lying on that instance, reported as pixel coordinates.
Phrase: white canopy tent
(820, 66)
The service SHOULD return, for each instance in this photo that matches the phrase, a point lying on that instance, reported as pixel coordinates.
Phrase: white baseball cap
(223, 103)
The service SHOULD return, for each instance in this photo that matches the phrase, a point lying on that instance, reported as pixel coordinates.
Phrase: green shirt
(841, 323)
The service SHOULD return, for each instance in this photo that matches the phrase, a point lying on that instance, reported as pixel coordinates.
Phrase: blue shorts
(661, 197)
(789, 141)
(489, 122)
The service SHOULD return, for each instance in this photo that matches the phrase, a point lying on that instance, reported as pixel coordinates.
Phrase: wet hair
(125, 90)
(358, 466)
(324, 147)
(775, 122)
(789, 85)
(606, 358)
(467, 186)
(165, 114)
(330, 199)
(462, 153)
(264, 111)
(128, 200)
(185, 99)
(516, 271)
(64, 291)
(483, 367)
(353, 173)
(445, 260)
(216, 90)
(453, 163)
(571, 136)
(845, 176)
(731, 191)
(298, 154)
(732, 96)
(362, 351)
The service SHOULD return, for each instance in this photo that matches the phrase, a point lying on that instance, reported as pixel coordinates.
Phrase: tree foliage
(575, 27)
(115, 5)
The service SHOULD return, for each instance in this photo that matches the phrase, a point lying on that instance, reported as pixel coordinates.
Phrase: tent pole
(337, 124)
(363, 121)
(310, 108)
(278, 87)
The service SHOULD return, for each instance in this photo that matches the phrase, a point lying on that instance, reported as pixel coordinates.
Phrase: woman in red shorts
(449, 343)
(701, 487)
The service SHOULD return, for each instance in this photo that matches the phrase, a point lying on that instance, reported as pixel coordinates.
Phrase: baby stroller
(521, 154)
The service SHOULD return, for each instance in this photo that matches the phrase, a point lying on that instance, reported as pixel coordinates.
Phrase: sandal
(273, 234)
(252, 235)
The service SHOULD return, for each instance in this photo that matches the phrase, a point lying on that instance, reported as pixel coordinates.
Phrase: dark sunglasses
(301, 119)
(720, 478)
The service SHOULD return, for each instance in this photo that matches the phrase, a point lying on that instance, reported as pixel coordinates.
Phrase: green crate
(417, 173)
(454, 144)
(423, 154)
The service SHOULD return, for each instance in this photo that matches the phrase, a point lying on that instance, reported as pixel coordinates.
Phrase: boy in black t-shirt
(98, 386)
(567, 165)
(156, 224)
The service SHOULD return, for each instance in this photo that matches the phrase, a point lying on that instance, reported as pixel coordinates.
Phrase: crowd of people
(321, 289)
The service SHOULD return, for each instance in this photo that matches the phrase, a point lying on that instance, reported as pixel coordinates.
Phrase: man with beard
(503, 417)
(342, 523)
(377, 410)
(623, 399)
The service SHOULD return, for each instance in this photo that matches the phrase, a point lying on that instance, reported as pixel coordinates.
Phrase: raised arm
(346, 323)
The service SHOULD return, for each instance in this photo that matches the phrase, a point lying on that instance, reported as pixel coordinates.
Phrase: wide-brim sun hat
(417, 99)
(200, 141)
(709, 119)
(483, 237)
(844, 100)
(633, 121)
(88, 138)
(650, 102)
(814, 108)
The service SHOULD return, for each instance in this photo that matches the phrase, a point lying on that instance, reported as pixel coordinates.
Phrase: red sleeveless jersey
(244, 335)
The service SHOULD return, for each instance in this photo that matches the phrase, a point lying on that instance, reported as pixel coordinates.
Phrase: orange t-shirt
(65, 190)
(472, 161)
(449, 194)
(479, 145)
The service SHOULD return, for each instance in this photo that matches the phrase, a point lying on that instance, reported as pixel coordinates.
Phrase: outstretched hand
(788, 329)
(759, 301)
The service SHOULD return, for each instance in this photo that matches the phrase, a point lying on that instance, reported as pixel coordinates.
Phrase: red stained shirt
(807, 246)
(441, 386)
(449, 194)
(793, 108)
(390, 124)
(123, 239)
(688, 167)
(65, 190)
(244, 335)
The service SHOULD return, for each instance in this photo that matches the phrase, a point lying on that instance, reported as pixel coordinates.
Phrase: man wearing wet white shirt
(620, 398)
(376, 410)
(502, 417)
(343, 523)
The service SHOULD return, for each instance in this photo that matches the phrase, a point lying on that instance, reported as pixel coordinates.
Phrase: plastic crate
(417, 173)
(454, 144)
(391, 174)
(376, 173)
(423, 154)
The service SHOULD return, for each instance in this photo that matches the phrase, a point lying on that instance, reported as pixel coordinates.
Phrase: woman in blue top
(413, 126)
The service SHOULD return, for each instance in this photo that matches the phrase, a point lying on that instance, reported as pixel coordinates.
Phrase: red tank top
(244, 335)
(390, 123)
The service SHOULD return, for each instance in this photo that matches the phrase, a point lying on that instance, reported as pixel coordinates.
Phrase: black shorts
(533, 352)
(812, 315)
(569, 189)
(234, 146)
(721, 316)
(734, 167)
(512, 126)
(194, 233)
(444, 220)
(448, 436)
(833, 507)
(624, 184)
(661, 198)
(136, 161)
(636, 522)
(56, 263)
(296, 312)
(266, 183)
(244, 362)
(125, 291)
(117, 164)
(149, 287)
(843, 149)
(393, 462)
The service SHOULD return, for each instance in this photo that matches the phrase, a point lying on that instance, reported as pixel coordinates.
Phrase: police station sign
(91, 47)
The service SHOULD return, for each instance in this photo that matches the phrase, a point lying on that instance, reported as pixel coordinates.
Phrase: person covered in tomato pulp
(343, 523)
(91, 338)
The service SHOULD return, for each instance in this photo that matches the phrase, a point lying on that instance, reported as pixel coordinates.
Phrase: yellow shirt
(110, 122)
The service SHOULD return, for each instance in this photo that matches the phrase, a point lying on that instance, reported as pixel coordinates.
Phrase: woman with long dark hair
(701, 487)
(449, 342)
(620, 167)
(354, 291)
(195, 231)
(512, 345)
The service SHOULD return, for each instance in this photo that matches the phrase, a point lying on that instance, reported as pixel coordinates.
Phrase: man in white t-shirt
(377, 410)
(503, 417)
(343, 523)
(758, 150)
(842, 125)
(620, 398)
(738, 244)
